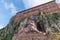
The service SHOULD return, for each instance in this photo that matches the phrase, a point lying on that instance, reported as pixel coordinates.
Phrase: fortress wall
(50, 7)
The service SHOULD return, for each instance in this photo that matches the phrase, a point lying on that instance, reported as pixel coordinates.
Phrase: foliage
(46, 20)
(54, 36)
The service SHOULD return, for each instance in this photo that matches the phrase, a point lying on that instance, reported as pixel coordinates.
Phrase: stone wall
(49, 7)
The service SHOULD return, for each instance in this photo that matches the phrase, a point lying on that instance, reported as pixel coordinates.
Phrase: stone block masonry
(50, 7)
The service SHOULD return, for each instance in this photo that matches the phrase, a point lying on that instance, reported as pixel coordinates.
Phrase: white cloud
(1, 26)
(32, 3)
(10, 7)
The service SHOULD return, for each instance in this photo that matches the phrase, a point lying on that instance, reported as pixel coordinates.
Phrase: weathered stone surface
(30, 32)
(50, 7)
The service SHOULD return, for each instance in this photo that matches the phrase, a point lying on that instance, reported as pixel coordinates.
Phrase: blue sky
(9, 8)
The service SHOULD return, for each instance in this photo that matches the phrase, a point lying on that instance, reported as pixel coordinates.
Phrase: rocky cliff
(44, 22)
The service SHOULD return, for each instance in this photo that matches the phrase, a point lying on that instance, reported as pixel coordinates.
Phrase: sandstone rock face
(45, 21)
(29, 32)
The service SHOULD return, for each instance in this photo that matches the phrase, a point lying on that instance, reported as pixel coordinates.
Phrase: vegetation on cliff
(45, 22)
